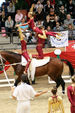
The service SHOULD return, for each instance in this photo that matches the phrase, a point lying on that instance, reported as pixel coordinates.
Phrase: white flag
(62, 42)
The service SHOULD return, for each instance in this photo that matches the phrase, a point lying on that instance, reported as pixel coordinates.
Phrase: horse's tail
(70, 66)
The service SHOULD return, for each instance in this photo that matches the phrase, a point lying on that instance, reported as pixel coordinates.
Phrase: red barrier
(6, 67)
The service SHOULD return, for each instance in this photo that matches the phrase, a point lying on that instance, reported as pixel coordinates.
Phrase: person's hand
(59, 34)
(58, 37)
(45, 91)
(17, 25)
(12, 89)
(34, 28)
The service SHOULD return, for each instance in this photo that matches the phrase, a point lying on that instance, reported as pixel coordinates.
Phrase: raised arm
(41, 93)
(51, 33)
(23, 24)
(37, 30)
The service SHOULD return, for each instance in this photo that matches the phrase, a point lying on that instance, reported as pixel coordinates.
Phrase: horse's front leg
(17, 81)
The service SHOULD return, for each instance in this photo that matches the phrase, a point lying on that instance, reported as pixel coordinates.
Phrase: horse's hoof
(33, 82)
(63, 92)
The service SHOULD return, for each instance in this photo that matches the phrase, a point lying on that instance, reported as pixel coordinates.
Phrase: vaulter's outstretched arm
(22, 24)
(37, 30)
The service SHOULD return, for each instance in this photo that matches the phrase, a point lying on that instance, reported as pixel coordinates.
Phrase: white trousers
(23, 107)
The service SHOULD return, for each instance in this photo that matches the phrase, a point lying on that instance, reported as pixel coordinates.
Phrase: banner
(62, 42)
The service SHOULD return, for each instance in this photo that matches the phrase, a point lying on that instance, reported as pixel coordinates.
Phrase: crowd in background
(51, 15)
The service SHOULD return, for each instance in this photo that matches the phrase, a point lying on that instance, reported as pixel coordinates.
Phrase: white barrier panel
(66, 78)
(4, 82)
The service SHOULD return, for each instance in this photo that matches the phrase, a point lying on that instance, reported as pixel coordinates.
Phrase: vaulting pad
(40, 62)
(37, 63)
(23, 61)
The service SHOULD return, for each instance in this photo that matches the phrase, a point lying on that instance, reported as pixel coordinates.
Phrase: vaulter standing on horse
(40, 43)
(24, 49)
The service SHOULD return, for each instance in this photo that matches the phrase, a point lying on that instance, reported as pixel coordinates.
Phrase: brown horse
(53, 68)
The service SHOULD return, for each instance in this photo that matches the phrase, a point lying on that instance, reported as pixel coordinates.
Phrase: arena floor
(39, 104)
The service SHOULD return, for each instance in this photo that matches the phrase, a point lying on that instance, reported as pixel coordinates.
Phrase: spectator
(70, 33)
(74, 23)
(71, 94)
(48, 37)
(39, 23)
(62, 15)
(68, 21)
(52, 2)
(23, 93)
(3, 8)
(55, 103)
(70, 8)
(46, 22)
(38, 5)
(2, 24)
(56, 19)
(52, 16)
(11, 10)
(2, 19)
(47, 7)
(58, 27)
(9, 25)
(18, 17)
(39, 14)
(52, 22)
(6, 3)
(52, 12)
(48, 28)
(60, 2)
(41, 1)
(25, 28)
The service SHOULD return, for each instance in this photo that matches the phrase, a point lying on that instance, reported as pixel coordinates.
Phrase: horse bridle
(1, 59)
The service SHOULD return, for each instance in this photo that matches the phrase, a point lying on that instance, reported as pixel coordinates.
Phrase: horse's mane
(9, 55)
(13, 53)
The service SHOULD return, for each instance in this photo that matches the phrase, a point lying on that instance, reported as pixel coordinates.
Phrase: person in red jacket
(71, 94)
